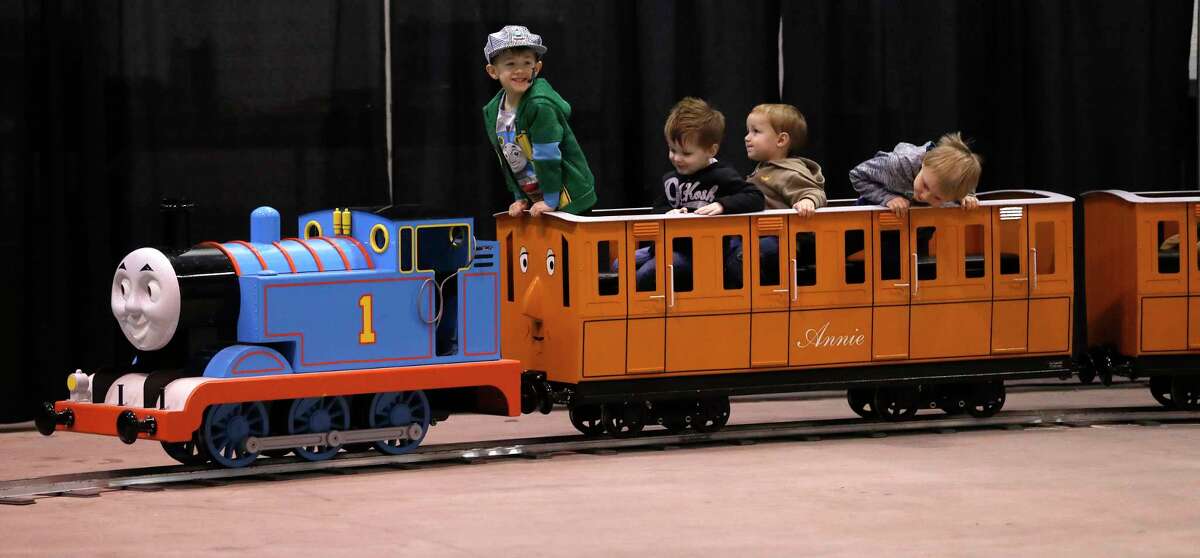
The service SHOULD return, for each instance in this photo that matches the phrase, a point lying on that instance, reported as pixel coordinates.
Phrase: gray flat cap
(512, 36)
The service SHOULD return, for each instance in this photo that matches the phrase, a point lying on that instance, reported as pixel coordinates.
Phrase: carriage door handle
(795, 279)
(671, 284)
(1033, 268)
(916, 280)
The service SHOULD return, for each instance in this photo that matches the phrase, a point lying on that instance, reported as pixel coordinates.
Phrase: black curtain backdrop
(108, 106)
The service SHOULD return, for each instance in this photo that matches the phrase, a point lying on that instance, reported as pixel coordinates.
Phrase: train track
(28, 491)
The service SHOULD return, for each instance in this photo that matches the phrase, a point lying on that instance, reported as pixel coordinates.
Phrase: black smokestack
(177, 223)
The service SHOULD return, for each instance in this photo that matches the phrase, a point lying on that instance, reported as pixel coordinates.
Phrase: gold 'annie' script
(818, 338)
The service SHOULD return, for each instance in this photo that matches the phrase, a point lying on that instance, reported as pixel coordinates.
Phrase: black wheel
(586, 419)
(1185, 392)
(622, 420)
(1087, 376)
(987, 399)
(187, 453)
(897, 402)
(862, 402)
(1160, 388)
(712, 414)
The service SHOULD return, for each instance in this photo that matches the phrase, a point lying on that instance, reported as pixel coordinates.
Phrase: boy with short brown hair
(700, 183)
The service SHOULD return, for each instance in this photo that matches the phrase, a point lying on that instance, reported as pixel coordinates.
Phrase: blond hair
(696, 119)
(955, 165)
(786, 118)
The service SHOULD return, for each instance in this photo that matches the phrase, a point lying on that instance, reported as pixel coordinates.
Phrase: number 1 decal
(367, 335)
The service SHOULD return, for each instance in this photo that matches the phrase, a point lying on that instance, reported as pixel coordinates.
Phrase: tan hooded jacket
(787, 181)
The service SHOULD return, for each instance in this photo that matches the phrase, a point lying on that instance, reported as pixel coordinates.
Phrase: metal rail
(26, 491)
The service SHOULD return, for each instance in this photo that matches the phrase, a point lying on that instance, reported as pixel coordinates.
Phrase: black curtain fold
(112, 105)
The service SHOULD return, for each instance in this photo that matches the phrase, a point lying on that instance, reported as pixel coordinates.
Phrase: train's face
(145, 299)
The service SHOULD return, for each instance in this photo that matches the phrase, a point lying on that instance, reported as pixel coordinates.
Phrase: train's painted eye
(124, 288)
(551, 264)
(153, 290)
(524, 260)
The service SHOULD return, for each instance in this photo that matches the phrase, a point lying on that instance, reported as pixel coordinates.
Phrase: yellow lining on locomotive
(450, 237)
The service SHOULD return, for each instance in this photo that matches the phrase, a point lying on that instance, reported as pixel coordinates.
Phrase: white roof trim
(1137, 197)
(1039, 197)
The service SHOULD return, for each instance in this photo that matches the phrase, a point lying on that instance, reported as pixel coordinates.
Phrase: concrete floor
(1101, 491)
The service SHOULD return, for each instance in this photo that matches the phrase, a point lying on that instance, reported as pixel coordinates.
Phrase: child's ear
(784, 139)
(537, 68)
(713, 149)
(491, 71)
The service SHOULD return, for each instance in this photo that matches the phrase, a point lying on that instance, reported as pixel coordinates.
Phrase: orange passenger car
(1143, 289)
(854, 298)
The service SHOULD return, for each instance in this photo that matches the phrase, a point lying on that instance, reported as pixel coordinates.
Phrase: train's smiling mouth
(138, 328)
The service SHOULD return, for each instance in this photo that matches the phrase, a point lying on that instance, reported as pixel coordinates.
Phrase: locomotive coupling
(536, 394)
(49, 419)
(128, 426)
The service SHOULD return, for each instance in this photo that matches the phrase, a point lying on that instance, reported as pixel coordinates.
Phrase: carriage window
(731, 252)
(508, 268)
(1168, 246)
(768, 260)
(682, 262)
(973, 250)
(643, 261)
(806, 259)
(1197, 258)
(1045, 247)
(1010, 246)
(889, 254)
(606, 267)
(926, 253)
(564, 265)
(406, 250)
(856, 265)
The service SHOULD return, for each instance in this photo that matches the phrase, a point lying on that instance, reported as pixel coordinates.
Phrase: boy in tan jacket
(774, 134)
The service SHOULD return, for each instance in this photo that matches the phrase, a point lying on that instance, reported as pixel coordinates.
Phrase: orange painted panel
(651, 302)
(1164, 323)
(891, 265)
(830, 260)
(769, 279)
(830, 336)
(1010, 247)
(603, 348)
(1157, 274)
(1194, 322)
(1010, 326)
(645, 350)
(599, 290)
(1052, 250)
(950, 330)
(890, 329)
(708, 343)
(944, 278)
(769, 344)
(1049, 325)
(703, 289)
(1193, 250)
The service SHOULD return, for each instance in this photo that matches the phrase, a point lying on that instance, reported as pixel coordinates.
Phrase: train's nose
(531, 300)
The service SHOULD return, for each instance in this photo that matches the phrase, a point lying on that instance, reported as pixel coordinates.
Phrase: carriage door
(646, 328)
(602, 301)
(1010, 275)
(708, 299)
(1193, 251)
(770, 269)
(830, 321)
(1051, 277)
(951, 288)
(892, 288)
(1162, 278)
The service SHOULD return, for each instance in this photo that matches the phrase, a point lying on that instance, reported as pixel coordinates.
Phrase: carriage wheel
(225, 429)
(862, 402)
(896, 403)
(586, 419)
(400, 408)
(624, 419)
(712, 414)
(187, 453)
(318, 414)
(1185, 392)
(987, 399)
(1160, 388)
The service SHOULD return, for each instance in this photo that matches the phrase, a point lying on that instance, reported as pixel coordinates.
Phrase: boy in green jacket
(527, 122)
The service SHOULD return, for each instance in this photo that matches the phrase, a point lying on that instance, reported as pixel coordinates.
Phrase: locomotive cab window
(1168, 246)
(607, 267)
(926, 253)
(973, 255)
(443, 248)
(856, 266)
(768, 260)
(731, 252)
(405, 250)
(806, 259)
(1045, 247)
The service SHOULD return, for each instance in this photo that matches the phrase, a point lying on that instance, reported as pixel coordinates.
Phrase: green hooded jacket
(549, 143)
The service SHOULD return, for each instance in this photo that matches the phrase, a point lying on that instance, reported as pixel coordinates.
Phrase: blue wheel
(400, 408)
(226, 428)
(318, 414)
